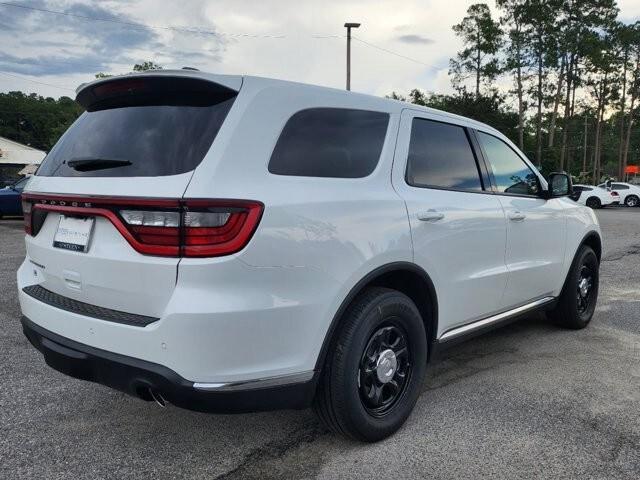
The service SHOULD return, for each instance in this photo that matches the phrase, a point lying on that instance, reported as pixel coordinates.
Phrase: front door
(536, 227)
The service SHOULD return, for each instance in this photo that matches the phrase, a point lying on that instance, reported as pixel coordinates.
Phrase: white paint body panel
(265, 311)
(601, 194)
(625, 192)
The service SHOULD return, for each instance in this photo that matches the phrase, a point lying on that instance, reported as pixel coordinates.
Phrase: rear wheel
(631, 201)
(374, 371)
(577, 302)
(594, 202)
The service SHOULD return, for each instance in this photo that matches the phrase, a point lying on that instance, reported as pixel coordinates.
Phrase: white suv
(232, 244)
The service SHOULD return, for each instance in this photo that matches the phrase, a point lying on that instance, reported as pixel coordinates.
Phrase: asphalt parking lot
(526, 401)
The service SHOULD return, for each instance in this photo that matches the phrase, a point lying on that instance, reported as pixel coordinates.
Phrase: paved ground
(529, 400)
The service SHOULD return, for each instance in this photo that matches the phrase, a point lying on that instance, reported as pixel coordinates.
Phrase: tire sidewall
(585, 256)
(404, 313)
(593, 202)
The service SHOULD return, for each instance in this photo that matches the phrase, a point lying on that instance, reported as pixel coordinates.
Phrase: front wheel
(374, 371)
(577, 302)
(631, 201)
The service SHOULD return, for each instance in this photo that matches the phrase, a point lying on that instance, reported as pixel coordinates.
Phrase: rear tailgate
(133, 150)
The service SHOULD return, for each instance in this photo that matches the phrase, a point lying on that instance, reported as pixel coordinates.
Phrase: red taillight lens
(201, 228)
(162, 227)
(26, 212)
(218, 228)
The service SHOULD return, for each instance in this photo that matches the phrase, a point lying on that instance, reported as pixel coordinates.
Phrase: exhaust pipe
(158, 398)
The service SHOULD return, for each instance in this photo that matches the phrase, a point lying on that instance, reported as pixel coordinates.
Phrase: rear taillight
(26, 212)
(176, 228)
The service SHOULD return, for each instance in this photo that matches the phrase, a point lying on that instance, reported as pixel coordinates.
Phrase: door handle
(517, 216)
(430, 216)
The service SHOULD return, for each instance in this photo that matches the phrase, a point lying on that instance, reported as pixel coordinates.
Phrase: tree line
(560, 77)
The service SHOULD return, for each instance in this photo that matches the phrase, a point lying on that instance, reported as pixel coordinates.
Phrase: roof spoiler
(149, 89)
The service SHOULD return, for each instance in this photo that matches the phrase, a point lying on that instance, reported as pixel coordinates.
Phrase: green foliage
(144, 66)
(35, 120)
(138, 67)
(482, 38)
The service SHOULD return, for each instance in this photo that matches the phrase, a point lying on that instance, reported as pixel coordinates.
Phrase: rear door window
(147, 129)
(440, 156)
(330, 142)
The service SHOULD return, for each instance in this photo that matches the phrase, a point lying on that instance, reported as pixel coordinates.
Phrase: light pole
(349, 26)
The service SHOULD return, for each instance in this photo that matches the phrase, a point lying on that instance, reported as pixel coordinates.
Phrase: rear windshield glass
(330, 142)
(166, 133)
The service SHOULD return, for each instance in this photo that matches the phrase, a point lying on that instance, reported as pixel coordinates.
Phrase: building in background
(17, 159)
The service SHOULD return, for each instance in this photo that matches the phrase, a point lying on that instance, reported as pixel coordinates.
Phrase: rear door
(536, 227)
(127, 160)
(458, 226)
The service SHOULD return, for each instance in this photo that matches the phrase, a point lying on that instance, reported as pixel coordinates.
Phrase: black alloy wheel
(584, 295)
(385, 369)
(594, 202)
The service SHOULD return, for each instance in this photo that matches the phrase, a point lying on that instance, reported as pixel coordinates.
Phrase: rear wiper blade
(89, 164)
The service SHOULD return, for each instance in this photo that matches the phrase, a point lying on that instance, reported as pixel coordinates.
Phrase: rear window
(142, 128)
(330, 142)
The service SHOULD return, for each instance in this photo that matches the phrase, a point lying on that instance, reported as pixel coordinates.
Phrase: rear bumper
(136, 377)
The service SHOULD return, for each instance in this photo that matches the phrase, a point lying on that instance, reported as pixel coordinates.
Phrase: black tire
(631, 201)
(575, 308)
(594, 202)
(346, 398)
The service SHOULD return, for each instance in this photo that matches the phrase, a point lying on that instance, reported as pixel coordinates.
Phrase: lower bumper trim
(138, 377)
(258, 383)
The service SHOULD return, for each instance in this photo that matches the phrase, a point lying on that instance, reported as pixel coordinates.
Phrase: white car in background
(594, 197)
(629, 193)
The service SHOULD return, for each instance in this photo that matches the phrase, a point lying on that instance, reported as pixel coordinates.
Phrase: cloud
(414, 39)
(50, 44)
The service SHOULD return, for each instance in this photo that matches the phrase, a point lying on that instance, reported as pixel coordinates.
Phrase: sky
(51, 54)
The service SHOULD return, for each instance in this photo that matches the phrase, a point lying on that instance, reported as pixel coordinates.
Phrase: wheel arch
(405, 277)
(593, 198)
(593, 240)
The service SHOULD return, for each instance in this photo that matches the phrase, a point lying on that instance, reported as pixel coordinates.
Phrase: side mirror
(560, 185)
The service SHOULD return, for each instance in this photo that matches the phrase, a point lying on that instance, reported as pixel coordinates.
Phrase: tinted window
(330, 142)
(21, 183)
(510, 172)
(440, 156)
(152, 134)
(619, 186)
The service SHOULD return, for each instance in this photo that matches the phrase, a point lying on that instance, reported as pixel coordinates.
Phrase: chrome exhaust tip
(158, 398)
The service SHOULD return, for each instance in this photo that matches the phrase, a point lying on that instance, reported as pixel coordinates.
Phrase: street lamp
(349, 26)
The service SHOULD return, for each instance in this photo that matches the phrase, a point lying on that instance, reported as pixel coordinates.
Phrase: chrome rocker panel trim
(470, 327)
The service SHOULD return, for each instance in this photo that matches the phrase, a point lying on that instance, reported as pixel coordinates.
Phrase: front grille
(81, 308)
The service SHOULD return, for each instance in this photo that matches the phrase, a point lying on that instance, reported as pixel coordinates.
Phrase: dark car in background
(10, 204)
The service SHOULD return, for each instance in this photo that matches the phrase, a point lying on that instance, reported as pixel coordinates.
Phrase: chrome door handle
(430, 216)
(517, 216)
